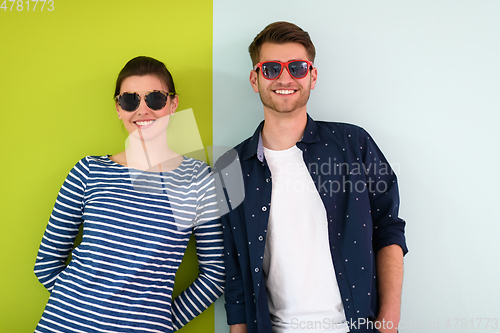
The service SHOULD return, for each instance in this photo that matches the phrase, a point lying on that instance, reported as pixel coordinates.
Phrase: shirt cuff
(235, 313)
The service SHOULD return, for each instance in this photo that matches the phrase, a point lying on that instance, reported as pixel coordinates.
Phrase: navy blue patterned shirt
(360, 193)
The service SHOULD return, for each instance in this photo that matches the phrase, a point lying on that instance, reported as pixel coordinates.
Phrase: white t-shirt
(302, 289)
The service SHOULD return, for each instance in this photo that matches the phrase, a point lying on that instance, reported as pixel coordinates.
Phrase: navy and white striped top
(136, 227)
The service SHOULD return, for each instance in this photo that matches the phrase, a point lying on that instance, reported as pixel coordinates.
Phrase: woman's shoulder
(194, 169)
(104, 159)
(93, 161)
(193, 164)
(88, 165)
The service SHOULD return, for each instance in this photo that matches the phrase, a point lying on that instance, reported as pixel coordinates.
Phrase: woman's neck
(152, 154)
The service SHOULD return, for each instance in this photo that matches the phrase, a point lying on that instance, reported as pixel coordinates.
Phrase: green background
(57, 75)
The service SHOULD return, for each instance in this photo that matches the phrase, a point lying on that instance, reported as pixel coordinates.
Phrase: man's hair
(281, 33)
(141, 66)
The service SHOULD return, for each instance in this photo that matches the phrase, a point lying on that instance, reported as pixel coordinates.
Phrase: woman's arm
(63, 226)
(210, 250)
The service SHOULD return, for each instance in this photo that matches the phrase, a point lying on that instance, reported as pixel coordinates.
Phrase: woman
(138, 209)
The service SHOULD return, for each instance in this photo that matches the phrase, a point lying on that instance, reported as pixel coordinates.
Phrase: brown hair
(280, 33)
(142, 65)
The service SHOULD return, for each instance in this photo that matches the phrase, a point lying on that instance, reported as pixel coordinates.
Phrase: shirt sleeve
(63, 226)
(384, 197)
(234, 291)
(209, 248)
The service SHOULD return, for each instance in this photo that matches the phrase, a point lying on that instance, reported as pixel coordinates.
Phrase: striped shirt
(136, 227)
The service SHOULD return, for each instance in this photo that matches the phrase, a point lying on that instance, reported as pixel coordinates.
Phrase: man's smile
(284, 91)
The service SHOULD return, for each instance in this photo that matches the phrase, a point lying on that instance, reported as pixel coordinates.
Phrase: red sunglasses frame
(283, 65)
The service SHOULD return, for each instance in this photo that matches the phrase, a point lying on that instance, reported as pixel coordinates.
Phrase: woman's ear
(117, 106)
(174, 103)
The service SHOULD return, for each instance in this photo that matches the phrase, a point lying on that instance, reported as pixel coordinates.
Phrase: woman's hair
(142, 65)
(281, 33)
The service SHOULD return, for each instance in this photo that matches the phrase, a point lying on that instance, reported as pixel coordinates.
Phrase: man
(317, 245)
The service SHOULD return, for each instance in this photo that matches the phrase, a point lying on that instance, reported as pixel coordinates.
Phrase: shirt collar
(311, 132)
(255, 146)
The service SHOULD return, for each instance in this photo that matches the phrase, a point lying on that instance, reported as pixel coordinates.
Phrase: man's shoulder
(340, 128)
(246, 145)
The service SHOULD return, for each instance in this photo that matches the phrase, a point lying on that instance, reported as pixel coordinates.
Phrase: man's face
(284, 94)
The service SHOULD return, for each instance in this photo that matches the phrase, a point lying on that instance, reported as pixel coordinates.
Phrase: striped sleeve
(209, 248)
(62, 228)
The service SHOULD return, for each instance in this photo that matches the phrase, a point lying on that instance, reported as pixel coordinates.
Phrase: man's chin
(284, 111)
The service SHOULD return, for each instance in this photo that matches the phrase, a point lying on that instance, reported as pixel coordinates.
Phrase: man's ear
(254, 81)
(314, 77)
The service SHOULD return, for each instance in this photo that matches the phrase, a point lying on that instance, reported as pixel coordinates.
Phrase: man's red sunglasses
(272, 70)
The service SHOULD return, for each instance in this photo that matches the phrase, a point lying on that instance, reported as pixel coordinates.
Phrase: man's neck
(283, 130)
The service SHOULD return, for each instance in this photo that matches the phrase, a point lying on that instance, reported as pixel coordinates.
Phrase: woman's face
(143, 117)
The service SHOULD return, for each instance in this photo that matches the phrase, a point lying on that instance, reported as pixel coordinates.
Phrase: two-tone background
(423, 77)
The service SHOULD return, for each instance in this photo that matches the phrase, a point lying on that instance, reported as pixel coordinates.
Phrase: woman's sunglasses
(272, 70)
(155, 100)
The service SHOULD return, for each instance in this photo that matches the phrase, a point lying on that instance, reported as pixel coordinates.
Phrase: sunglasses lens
(271, 70)
(129, 101)
(298, 69)
(156, 100)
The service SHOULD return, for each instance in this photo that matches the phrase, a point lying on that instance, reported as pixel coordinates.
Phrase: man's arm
(389, 241)
(390, 283)
(234, 288)
(238, 328)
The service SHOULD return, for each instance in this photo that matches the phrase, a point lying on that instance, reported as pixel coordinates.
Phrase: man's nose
(285, 75)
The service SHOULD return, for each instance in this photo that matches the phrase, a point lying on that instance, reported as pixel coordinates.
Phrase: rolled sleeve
(389, 229)
(234, 288)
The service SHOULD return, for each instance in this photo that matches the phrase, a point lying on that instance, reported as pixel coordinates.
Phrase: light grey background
(423, 78)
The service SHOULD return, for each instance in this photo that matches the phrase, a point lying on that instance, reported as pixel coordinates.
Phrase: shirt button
(264, 208)
(261, 238)
(257, 269)
(268, 180)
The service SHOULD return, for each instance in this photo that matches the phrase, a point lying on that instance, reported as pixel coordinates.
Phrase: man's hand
(390, 283)
(238, 328)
